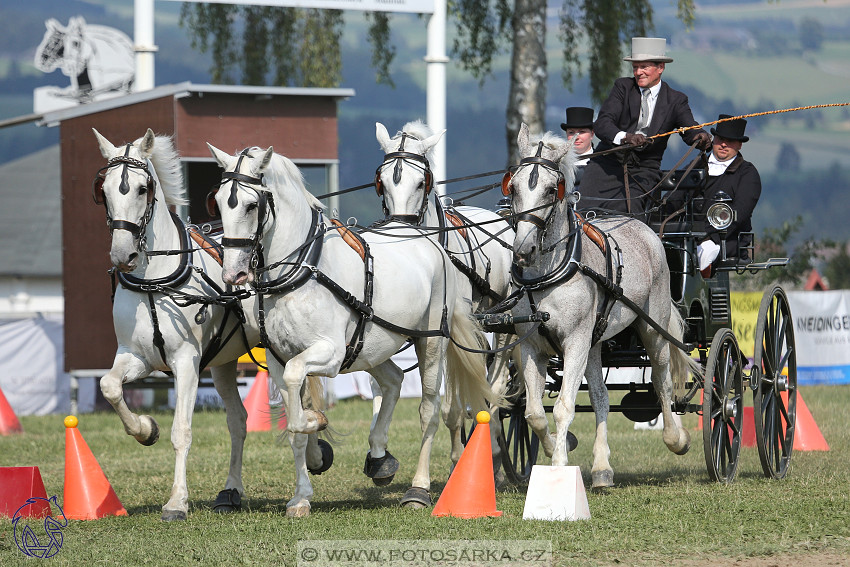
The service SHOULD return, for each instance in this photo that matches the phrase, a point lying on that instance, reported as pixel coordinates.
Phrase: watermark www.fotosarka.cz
(432, 553)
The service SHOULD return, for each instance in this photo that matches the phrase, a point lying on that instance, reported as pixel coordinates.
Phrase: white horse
(165, 311)
(555, 259)
(97, 59)
(323, 312)
(477, 240)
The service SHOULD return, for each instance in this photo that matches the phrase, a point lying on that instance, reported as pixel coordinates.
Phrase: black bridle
(126, 162)
(401, 156)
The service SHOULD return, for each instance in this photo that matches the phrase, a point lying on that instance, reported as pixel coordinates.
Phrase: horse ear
(267, 159)
(147, 142)
(52, 24)
(221, 157)
(382, 135)
(431, 141)
(522, 139)
(107, 150)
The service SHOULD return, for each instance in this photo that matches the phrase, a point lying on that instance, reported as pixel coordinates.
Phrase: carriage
(704, 304)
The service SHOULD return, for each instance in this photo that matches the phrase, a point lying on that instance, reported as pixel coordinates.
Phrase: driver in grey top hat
(636, 108)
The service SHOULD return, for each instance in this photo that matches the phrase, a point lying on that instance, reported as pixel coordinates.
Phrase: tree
(837, 270)
(303, 45)
(298, 47)
(811, 34)
(778, 243)
(604, 27)
(788, 158)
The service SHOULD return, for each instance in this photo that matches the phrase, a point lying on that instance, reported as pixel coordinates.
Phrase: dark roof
(31, 215)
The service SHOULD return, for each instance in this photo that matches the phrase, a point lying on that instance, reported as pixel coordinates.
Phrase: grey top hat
(578, 117)
(731, 129)
(649, 49)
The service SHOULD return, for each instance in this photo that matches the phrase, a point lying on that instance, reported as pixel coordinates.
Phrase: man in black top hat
(579, 125)
(637, 107)
(739, 179)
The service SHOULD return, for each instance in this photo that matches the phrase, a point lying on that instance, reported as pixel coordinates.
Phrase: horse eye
(250, 207)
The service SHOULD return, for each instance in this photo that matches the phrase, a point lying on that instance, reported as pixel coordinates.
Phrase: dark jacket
(621, 110)
(741, 181)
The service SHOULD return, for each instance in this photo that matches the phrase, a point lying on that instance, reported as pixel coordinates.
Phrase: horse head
(540, 188)
(126, 186)
(404, 179)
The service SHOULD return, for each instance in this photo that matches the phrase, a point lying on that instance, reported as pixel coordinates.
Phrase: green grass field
(664, 509)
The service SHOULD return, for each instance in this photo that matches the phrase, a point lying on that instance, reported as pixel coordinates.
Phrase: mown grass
(663, 509)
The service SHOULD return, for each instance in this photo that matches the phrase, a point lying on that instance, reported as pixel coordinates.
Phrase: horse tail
(316, 391)
(466, 372)
(681, 363)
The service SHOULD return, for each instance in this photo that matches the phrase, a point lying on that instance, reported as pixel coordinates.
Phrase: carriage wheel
(723, 407)
(774, 383)
(518, 443)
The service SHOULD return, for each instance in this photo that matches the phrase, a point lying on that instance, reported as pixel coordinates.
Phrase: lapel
(661, 104)
(634, 103)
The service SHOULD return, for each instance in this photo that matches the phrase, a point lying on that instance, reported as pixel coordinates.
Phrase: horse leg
(601, 474)
(676, 437)
(315, 359)
(380, 465)
(186, 386)
(224, 378)
(127, 368)
(498, 375)
(299, 505)
(431, 353)
(533, 372)
(575, 365)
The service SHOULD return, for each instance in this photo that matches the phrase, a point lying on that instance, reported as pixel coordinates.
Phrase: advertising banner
(822, 335)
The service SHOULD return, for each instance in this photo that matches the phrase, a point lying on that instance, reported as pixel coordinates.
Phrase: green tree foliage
(284, 46)
(788, 158)
(837, 269)
(778, 242)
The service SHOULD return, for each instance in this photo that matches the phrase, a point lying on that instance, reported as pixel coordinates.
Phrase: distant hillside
(738, 59)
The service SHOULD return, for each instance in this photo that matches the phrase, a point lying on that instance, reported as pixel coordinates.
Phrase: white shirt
(717, 167)
(584, 153)
(653, 98)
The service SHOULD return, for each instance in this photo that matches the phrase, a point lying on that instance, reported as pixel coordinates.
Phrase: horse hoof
(327, 458)
(381, 470)
(572, 441)
(299, 511)
(151, 437)
(602, 479)
(227, 501)
(684, 442)
(173, 516)
(416, 498)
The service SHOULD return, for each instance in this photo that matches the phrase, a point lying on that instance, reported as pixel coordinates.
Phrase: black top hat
(731, 129)
(578, 117)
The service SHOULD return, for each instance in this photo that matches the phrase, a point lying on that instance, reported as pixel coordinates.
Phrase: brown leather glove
(703, 141)
(634, 139)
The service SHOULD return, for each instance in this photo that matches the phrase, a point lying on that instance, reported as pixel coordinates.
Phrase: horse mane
(167, 168)
(282, 172)
(567, 164)
(420, 131)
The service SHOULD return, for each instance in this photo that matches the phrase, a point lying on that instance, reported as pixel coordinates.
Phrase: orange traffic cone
(17, 486)
(257, 404)
(471, 489)
(88, 494)
(807, 435)
(8, 420)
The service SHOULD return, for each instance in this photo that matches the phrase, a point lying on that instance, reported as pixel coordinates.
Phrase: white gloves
(707, 251)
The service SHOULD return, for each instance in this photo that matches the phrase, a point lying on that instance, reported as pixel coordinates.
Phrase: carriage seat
(687, 187)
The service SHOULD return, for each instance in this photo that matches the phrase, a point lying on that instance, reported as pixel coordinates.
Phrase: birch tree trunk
(527, 95)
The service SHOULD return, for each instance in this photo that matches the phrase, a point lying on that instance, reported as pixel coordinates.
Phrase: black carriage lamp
(720, 214)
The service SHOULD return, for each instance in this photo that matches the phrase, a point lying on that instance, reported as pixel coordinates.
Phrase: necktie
(643, 121)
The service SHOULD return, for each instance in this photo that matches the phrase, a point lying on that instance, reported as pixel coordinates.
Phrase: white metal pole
(144, 44)
(436, 60)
